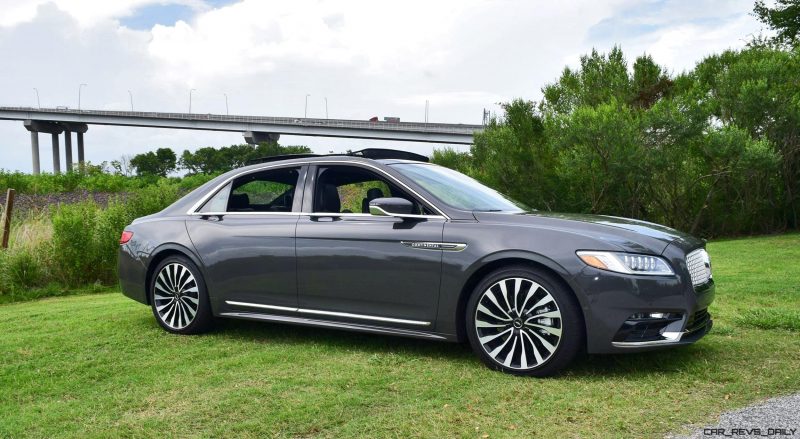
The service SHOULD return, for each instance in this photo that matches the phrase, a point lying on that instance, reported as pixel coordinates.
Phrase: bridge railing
(271, 120)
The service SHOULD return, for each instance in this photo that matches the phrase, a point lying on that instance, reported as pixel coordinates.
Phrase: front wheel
(179, 298)
(524, 322)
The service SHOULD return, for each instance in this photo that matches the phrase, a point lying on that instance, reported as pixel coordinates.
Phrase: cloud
(367, 58)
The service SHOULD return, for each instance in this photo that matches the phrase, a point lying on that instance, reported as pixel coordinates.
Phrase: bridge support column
(35, 152)
(80, 150)
(40, 126)
(68, 149)
(56, 155)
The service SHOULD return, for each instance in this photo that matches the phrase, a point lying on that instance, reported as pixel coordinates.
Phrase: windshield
(457, 190)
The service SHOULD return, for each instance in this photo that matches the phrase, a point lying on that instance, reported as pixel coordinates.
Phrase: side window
(265, 191)
(219, 202)
(349, 189)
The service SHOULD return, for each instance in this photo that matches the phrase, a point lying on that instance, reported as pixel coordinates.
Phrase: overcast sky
(369, 58)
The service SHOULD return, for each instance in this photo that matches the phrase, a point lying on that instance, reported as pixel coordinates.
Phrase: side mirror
(397, 207)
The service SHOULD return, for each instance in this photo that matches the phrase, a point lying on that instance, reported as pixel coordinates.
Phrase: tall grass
(74, 245)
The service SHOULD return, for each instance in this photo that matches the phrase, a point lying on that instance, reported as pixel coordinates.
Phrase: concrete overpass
(255, 128)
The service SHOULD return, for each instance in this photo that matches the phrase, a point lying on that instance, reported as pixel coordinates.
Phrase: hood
(628, 234)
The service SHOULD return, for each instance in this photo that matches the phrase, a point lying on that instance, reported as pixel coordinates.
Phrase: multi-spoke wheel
(178, 297)
(523, 322)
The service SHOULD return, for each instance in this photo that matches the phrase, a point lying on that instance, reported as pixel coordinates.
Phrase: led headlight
(628, 263)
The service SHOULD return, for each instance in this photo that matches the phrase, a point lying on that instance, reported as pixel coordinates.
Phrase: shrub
(74, 251)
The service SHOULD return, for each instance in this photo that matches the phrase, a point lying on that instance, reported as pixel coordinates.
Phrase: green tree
(453, 159)
(209, 160)
(783, 18)
(161, 162)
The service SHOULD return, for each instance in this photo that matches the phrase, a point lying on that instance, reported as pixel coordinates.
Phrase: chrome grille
(699, 266)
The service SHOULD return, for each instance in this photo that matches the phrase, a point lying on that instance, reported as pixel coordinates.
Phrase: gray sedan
(381, 241)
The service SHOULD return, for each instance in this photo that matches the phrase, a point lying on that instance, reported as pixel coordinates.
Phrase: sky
(366, 58)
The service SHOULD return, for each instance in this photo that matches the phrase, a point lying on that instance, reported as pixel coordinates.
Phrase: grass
(98, 366)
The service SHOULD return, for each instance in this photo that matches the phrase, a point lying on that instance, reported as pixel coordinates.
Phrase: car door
(245, 236)
(362, 268)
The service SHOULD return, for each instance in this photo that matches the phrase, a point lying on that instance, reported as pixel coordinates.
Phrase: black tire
(506, 320)
(175, 286)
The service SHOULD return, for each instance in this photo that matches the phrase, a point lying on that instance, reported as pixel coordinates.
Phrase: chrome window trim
(330, 313)
(196, 206)
(366, 215)
(293, 214)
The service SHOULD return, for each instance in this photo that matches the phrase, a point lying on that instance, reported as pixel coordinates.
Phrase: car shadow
(665, 361)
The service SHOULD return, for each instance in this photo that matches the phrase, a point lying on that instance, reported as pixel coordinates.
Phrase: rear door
(245, 236)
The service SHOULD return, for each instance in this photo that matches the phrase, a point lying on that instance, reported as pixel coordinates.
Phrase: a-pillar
(56, 155)
(35, 152)
(68, 148)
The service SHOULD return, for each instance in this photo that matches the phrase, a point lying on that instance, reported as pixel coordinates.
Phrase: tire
(179, 298)
(522, 321)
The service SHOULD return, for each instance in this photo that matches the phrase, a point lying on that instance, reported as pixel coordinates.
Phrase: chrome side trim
(258, 305)
(427, 245)
(363, 317)
(193, 210)
(335, 325)
(329, 313)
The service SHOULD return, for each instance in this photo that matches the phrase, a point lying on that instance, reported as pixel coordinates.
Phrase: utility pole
(79, 95)
(38, 103)
(427, 107)
(326, 107)
(227, 113)
(305, 112)
(190, 100)
(131, 96)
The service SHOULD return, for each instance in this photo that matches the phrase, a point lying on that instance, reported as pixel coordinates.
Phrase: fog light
(649, 315)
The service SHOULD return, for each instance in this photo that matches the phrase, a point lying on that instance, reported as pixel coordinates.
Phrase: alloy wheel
(176, 296)
(518, 323)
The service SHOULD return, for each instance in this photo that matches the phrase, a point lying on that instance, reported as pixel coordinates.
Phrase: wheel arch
(506, 259)
(162, 252)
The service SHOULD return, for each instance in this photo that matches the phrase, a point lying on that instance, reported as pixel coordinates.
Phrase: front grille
(699, 267)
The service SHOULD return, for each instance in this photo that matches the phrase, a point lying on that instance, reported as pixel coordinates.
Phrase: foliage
(714, 151)
(784, 18)
(161, 162)
(76, 244)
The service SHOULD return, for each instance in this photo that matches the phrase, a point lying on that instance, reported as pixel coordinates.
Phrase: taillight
(126, 236)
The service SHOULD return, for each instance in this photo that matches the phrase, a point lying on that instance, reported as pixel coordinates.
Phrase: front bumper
(657, 332)
(611, 300)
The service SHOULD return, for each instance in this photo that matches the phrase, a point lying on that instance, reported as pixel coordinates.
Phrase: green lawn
(99, 366)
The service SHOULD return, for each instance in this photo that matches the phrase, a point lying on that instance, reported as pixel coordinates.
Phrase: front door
(244, 235)
(361, 268)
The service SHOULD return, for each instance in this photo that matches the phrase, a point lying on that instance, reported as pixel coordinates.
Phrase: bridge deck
(405, 131)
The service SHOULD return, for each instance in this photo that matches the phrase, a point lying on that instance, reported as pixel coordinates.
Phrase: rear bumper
(132, 272)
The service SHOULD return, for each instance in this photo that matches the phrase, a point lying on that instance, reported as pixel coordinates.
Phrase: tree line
(206, 160)
(714, 151)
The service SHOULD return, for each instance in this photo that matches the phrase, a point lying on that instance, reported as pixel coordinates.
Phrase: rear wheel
(179, 298)
(524, 322)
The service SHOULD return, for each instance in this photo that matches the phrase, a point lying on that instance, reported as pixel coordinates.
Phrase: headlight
(627, 263)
